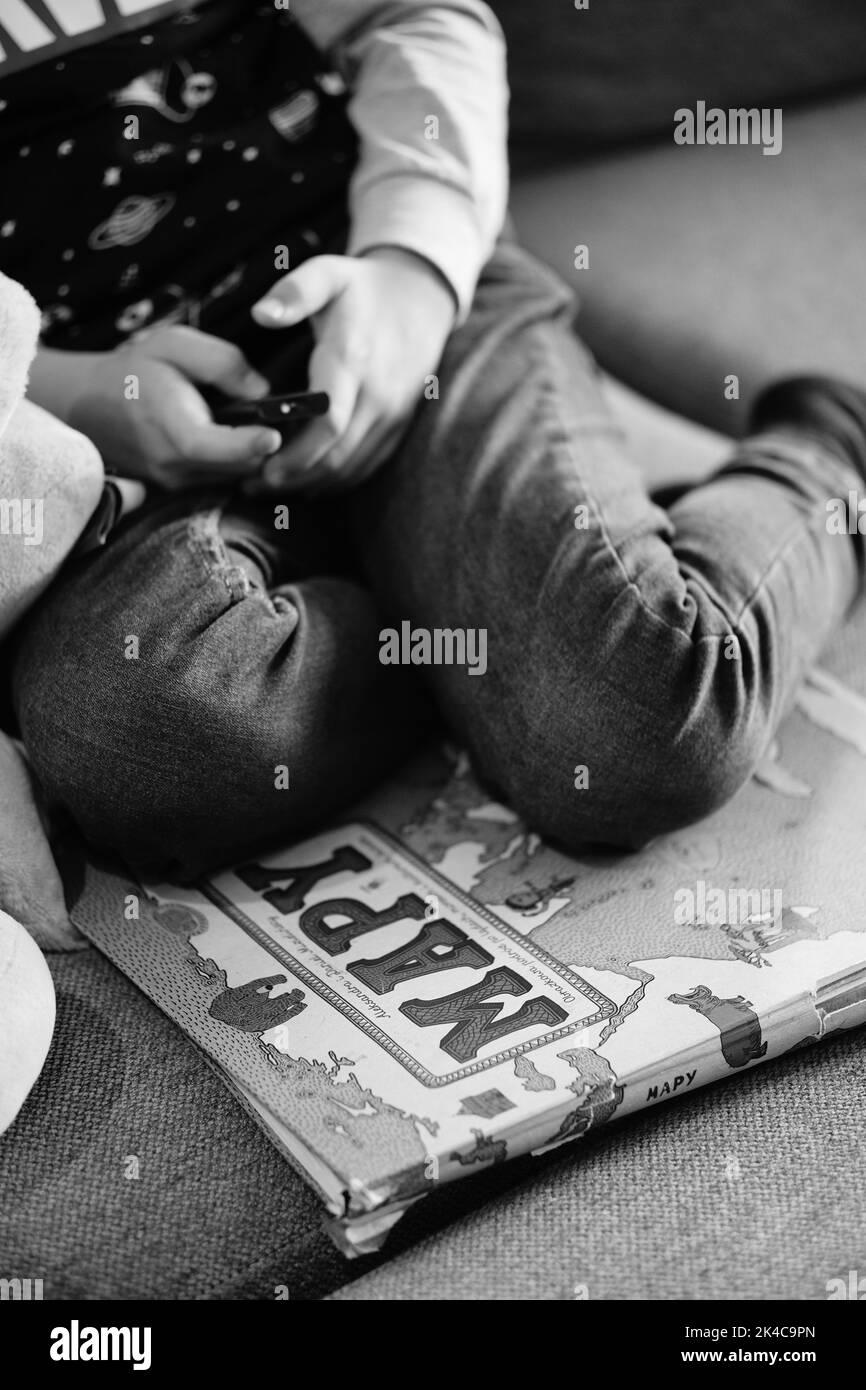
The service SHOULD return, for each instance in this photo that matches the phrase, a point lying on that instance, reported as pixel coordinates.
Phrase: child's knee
(583, 775)
(208, 731)
(147, 767)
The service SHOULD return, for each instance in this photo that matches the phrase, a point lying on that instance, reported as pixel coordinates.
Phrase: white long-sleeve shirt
(430, 107)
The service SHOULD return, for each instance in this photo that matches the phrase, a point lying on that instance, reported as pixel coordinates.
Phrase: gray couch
(703, 263)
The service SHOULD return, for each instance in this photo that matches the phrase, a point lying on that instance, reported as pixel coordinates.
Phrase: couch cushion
(618, 70)
(706, 261)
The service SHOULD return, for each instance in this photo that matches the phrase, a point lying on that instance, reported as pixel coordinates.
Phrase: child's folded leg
(185, 712)
(638, 661)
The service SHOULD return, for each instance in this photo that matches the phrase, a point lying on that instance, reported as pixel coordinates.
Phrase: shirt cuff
(431, 219)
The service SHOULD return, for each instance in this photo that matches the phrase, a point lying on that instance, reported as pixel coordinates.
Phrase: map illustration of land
(237, 1026)
(614, 912)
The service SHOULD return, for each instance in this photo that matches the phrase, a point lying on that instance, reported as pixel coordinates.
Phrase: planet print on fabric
(135, 316)
(131, 221)
(175, 91)
(295, 118)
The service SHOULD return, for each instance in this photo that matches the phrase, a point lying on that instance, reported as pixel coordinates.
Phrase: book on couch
(428, 987)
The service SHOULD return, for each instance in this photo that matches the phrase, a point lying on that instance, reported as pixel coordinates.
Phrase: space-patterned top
(153, 164)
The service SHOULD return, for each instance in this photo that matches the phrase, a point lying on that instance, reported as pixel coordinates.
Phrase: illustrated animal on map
(485, 1150)
(736, 1020)
(534, 898)
(253, 1009)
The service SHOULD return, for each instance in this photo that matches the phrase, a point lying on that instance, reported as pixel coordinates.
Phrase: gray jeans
(655, 649)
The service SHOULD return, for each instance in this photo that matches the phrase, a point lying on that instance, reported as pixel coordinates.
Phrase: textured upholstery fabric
(711, 260)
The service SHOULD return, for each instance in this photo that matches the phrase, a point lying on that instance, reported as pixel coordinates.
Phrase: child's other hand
(381, 322)
(141, 407)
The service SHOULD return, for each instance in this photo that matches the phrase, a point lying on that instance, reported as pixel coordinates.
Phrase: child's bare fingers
(364, 448)
(378, 449)
(278, 475)
(305, 292)
(297, 459)
(301, 453)
(336, 467)
(228, 449)
(208, 360)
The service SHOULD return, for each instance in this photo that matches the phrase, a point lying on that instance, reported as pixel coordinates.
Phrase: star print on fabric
(153, 154)
(135, 316)
(332, 84)
(227, 285)
(54, 314)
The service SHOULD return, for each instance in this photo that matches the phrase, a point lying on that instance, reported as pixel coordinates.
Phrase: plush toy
(51, 483)
(51, 477)
(26, 1016)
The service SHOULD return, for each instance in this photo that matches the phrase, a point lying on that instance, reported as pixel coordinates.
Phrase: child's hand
(381, 323)
(140, 406)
